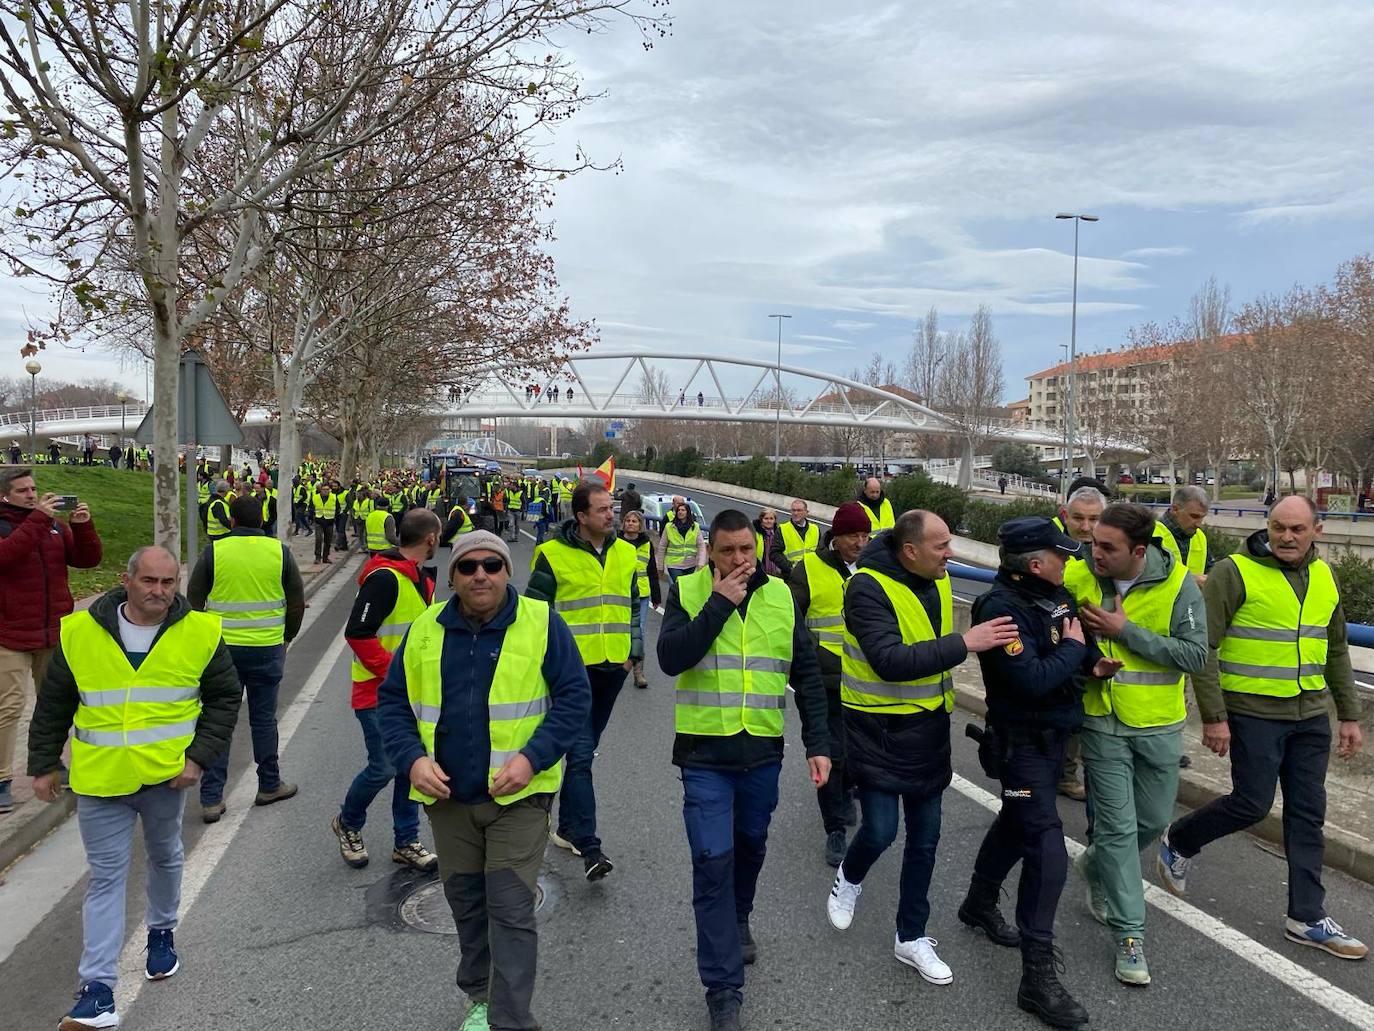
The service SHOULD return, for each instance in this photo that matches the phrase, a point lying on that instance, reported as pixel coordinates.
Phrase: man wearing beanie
(485, 695)
(817, 583)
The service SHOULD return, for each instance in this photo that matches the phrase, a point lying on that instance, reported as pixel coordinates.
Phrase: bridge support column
(966, 465)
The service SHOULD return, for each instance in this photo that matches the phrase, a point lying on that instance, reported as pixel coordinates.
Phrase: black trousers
(1028, 829)
(324, 539)
(834, 798)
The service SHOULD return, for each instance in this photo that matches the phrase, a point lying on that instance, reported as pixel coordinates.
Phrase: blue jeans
(577, 801)
(367, 785)
(878, 830)
(260, 669)
(727, 816)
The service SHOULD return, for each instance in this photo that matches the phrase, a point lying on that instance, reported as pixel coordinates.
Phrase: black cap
(1034, 533)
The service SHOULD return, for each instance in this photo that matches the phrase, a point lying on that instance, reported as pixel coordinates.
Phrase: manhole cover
(424, 907)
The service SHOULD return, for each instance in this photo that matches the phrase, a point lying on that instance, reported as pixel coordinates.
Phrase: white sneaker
(563, 842)
(921, 955)
(840, 903)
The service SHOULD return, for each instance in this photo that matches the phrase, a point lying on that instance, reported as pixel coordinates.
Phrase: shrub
(982, 518)
(1355, 577)
(917, 490)
(1220, 543)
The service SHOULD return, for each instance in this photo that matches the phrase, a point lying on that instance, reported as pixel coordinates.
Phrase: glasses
(468, 566)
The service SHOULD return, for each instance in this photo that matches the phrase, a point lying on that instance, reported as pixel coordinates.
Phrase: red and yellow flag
(605, 472)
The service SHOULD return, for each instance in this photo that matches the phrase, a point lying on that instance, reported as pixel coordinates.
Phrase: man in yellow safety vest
(800, 536)
(880, 512)
(482, 699)
(1180, 531)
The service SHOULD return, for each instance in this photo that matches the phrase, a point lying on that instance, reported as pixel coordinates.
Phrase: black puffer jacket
(905, 753)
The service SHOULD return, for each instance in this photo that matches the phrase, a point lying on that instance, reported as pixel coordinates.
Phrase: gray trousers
(107, 831)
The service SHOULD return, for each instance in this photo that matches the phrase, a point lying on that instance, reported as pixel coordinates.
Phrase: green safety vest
(132, 726)
(825, 614)
(517, 700)
(214, 529)
(740, 684)
(1276, 644)
(375, 529)
(796, 544)
(885, 519)
(1142, 693)
(680, 551)
(1197, 547)
(862, 688)
(642, 570)
(325, 508)
(594, 597)
(410, 604)
(247, 590)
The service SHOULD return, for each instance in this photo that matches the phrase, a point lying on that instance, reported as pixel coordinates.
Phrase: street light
(1064, 421)
(33, 369)
(1073, 352)
(123, 400)
(777, 401)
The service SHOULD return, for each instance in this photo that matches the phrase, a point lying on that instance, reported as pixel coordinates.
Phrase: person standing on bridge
(899, 648)
(1278, 658)
(1144, 609)
(817, 583)
(879, 507)
(800, 536)
(150, 690)
(589, 576)
(681, 544)
(1078, 518)
(1180, 531)
(725, 619)
(484, 696)
(251, 581)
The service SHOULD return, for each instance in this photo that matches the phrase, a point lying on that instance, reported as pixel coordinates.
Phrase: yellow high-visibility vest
(410, 603)
(1276, 644)
(247, 590)
(1197, 547)
(825, 614)
(594, 596)
(860, 685)
(796, 544)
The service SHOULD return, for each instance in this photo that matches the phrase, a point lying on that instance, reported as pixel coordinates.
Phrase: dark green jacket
(220, 691)
(1224, 593)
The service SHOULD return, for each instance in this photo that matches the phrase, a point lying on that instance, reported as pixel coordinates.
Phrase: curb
(1343, 852)
(51, 816)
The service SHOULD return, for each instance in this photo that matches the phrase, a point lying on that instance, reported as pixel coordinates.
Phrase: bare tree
(971, 385)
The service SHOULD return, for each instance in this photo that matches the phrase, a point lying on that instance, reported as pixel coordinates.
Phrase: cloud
(1141, 253)
(852, 325)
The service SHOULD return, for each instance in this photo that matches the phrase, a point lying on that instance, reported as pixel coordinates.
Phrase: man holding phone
(36, 547)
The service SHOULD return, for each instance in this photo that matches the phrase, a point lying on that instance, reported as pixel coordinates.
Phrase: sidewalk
(33, 820)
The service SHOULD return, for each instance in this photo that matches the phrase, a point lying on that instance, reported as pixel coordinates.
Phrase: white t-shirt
(137, 639)
(853, 567)
(1122, 586)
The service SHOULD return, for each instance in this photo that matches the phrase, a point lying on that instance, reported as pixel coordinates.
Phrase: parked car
(658, 510)
(1125, 478)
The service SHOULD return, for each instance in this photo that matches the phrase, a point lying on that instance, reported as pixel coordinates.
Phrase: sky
(855, 164)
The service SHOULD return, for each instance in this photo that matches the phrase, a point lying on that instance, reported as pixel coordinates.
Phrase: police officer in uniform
(1035, 690)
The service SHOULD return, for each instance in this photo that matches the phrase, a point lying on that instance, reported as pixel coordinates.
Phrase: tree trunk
(166, 479)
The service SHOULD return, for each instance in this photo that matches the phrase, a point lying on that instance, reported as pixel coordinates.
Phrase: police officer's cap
(1034, 533)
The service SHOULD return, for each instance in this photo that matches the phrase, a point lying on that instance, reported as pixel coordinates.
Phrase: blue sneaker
(1327, 935)
(6, 797)
(162, 957)
(1172, 868)
(95, 1007)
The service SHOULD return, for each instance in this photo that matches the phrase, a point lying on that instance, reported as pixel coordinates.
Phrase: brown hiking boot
(283, 792)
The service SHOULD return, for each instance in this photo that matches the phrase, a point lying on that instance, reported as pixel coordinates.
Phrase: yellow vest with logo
(247, 590)
(325, 508)
(517, 700)
(825, 614)
(741, 683)
(410, 604)
(1197, 547)
(214, 529)
(795, 544)
(1275, 644)
(680, 550)
(862, 688)
(594, 597)
(1142, 693)
(375, 530)
(133, 726)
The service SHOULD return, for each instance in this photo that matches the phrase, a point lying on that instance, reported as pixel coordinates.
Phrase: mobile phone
(66, 502)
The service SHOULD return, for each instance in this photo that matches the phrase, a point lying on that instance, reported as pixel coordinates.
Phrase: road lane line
(215, 841)
(1305, 982)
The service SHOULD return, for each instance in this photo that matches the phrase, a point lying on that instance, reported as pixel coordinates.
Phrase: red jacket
(376, 598)
(35, 551)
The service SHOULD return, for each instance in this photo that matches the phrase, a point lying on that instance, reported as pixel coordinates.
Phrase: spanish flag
(605, 472)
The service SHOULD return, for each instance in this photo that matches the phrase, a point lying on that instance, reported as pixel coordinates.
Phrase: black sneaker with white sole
(596, 865)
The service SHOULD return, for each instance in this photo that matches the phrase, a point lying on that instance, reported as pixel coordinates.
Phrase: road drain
(426, 909)
(408, 900)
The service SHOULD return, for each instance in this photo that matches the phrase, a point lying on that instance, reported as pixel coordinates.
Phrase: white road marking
(1293, 975)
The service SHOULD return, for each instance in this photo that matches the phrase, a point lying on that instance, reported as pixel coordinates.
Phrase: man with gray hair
(218, 521)
(151, 693)
(1179, 531)
(1078, 517)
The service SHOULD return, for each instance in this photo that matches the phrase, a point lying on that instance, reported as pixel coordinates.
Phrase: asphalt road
(277, 933)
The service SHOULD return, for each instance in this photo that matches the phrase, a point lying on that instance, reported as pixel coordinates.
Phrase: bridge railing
(136, 408)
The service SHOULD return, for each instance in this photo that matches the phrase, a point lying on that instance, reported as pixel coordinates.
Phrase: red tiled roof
(1124, 358)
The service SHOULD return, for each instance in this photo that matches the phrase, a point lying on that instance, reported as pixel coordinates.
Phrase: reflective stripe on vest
(247, 590)
(518, 697)
(409, 605)
(796, 545)
(1276, 644)
(1197, 547)
(132, 726)
(825, 614)
(860, 685)
(642, 572)
(741, 683)
(325, 508)
(375, 530)
(680, 550)
(594, 596)
(1142, 693)
(214, 529)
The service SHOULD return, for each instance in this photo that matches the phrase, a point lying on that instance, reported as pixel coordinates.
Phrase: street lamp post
(123, 400)
(1064, 413)
(33, 369)
(777, 409)
(1073, 350)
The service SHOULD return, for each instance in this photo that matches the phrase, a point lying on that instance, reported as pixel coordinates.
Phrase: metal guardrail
(1322, 514)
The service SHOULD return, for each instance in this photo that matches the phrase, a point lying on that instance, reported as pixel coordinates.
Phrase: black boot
(747, 946)
(979, 909)
(724, 1007)
(1041, 992)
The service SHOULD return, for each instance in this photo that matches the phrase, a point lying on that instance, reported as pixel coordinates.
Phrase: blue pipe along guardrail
(1361, 634)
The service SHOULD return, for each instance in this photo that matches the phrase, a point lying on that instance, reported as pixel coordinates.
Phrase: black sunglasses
(468, 566)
